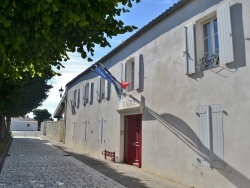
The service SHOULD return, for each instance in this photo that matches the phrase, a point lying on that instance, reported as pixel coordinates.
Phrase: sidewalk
(34, 162)
(129, 176)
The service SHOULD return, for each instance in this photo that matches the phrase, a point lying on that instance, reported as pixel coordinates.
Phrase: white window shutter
(107, 90)
(225, 34)
(75, 97)
(123, 72)
(90, 93)
(190, 50)
(137, 72)
(218, 139)
(73, 129)
(204, 135)
(85, 131)
(98, 89)
(78, 98)
(100, 131)
(83, 95)
(103, 130)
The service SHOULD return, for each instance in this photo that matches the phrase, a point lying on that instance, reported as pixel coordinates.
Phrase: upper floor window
(103, 89)
(209, 41)
(87, 93)
(131, 72)
(210, 57)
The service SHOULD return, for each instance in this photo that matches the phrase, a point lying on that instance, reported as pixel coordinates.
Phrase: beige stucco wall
(170, 132)
(55, 130)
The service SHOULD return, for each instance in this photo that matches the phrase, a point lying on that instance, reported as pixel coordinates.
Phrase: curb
(5, 153)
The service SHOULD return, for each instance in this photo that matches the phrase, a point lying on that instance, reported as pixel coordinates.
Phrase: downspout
(65, 112)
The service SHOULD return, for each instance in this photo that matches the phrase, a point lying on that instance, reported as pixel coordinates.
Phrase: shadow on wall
(183, 132)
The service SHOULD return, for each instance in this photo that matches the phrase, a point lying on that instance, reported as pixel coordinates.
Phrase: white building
(23, 124)
(188, 115)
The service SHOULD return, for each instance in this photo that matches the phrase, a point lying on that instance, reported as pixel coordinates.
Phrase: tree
(40, 115)
(18, 97)
(37, 34)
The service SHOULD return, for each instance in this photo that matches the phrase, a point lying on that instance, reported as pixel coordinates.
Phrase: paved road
(33, 162)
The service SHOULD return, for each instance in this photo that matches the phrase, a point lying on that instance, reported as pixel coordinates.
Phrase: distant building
(23, 124)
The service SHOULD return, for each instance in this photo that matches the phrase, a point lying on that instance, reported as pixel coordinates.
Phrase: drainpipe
(65, 112)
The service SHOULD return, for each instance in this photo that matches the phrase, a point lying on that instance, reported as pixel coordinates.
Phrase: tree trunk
(2, 127)
(8, 120)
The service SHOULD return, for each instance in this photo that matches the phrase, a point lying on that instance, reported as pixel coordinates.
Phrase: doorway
(132, 153)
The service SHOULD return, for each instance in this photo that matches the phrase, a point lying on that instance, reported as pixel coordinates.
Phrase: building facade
(23, 124)
(185, 115)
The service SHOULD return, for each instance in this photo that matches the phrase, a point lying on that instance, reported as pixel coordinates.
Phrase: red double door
(133, 140)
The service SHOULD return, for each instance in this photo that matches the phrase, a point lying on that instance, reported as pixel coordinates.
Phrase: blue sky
(140, 15)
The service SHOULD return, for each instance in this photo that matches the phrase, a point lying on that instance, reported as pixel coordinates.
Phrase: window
(211, 141)
(103, 89)
(87, 93)
(131, 73)
(102, 83)
(209, 41)
(210, 57)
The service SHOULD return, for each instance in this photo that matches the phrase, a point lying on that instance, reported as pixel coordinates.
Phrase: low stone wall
(54, 130)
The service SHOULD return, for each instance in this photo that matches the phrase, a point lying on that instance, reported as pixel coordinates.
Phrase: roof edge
(140, 32)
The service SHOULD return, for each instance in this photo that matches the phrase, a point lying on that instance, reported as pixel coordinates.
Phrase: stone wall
(54, 130)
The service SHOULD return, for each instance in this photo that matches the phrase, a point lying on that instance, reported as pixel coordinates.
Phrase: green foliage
(18, 97)
(41, 115)
(36, 34)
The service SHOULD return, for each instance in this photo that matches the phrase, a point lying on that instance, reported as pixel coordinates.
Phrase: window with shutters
(131, 73)
(211, 140)
(102, 84)
(103, 89)
(129, 76)
(87, 93)
(209, 41)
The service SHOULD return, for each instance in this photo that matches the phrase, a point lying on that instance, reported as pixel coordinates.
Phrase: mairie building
(186, 114)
